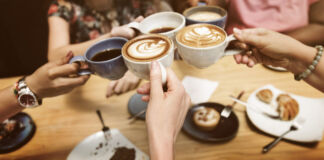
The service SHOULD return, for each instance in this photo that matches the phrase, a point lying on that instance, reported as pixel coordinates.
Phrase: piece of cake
(206, 118)
(288, 107)
(123, 153)
(265, 95)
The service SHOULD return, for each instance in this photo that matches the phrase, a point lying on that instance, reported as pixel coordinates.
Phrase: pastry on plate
(288, 107)
(265, 95)
(206, 118)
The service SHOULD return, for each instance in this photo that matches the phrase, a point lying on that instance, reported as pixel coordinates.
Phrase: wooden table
(62, 122)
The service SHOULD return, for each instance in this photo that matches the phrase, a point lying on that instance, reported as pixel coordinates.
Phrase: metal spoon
(105, 128)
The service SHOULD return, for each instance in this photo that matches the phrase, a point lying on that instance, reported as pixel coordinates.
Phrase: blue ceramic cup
(220, 22)
(112, 69)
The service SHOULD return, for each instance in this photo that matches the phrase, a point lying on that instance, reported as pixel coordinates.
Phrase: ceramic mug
(112, 69)
(218, 22)
(161, 20)
(206, 56)
(142, 68)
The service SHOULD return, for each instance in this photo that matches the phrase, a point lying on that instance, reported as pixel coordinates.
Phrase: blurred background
(23, 36)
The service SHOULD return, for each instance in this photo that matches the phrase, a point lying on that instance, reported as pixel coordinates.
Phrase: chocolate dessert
(123, 153)
(9, 127)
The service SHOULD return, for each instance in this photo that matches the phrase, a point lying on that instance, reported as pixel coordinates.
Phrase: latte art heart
(201, 36)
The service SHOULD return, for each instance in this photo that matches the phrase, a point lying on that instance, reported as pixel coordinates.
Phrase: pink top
(277, 15)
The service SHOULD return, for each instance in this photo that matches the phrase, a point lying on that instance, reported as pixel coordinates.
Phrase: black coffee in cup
(106, 55)
(162, 30)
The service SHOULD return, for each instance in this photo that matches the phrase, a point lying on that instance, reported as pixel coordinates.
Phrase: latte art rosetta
(201, 36)
(147, 48)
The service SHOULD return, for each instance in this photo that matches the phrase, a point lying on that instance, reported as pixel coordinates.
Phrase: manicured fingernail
(237, 31)
(69, 54)
(154, 65)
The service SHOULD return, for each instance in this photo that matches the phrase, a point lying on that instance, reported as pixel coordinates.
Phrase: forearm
(302, 60)
(161, 147)
(310, 34)
(77, 49)
(221, 3)
(9, 105)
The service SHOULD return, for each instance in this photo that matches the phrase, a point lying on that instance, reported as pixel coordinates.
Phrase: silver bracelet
(311, 67)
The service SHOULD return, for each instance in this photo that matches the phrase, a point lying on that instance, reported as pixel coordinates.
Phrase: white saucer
(89, 148)
(310, 109)
(280, 69)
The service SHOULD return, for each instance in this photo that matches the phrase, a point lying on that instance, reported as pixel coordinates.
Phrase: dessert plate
(226, 128)
(310, 109)
(20, 137)
(95, 147)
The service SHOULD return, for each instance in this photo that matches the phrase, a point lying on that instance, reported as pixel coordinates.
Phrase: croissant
(265, 95)
(288, 107)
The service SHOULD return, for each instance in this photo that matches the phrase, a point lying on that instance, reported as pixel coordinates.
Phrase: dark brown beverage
(106, 55)
(162, 30)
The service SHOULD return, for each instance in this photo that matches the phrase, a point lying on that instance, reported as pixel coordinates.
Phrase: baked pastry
(265, 95)
(288, 107)
(206, 118)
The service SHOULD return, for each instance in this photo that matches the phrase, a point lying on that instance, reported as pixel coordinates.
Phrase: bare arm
(59, 39)
(312, 33)
(9, 104)
(49, 80)
(272, 48)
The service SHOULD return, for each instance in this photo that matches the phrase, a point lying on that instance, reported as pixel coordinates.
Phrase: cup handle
(79, 59)
(163, 73)
(231, 52)
(134, 25)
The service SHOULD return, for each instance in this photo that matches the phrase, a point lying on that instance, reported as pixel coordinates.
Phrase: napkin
(199, 89)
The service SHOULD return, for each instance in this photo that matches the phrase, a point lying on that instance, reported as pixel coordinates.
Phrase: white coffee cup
(161, 20)
(141, 68)
(206, 56)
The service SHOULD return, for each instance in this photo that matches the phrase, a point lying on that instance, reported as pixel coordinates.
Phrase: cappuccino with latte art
(201, 36)
(201, 45)
(139, 52)
(147, 48)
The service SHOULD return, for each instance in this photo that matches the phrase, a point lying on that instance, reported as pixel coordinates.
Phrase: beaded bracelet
(311, 68)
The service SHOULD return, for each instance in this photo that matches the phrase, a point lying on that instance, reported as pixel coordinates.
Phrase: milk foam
(205, 16)
(201, 36)
(147, 48)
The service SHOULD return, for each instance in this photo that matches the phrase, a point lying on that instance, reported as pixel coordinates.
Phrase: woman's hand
(269, 47)
(165, 113)
(53, 79)
(128, 82)
(125, 31)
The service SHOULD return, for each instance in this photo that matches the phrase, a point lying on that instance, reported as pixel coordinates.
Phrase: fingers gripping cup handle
(134, 25)
(79, 59)
(231, 52)
(163, 73)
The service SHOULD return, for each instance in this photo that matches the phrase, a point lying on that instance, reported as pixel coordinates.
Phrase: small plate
(20, 138)
(95, 147)
(225, 130)
(136, 105)
(310, 109)
(280, 69)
